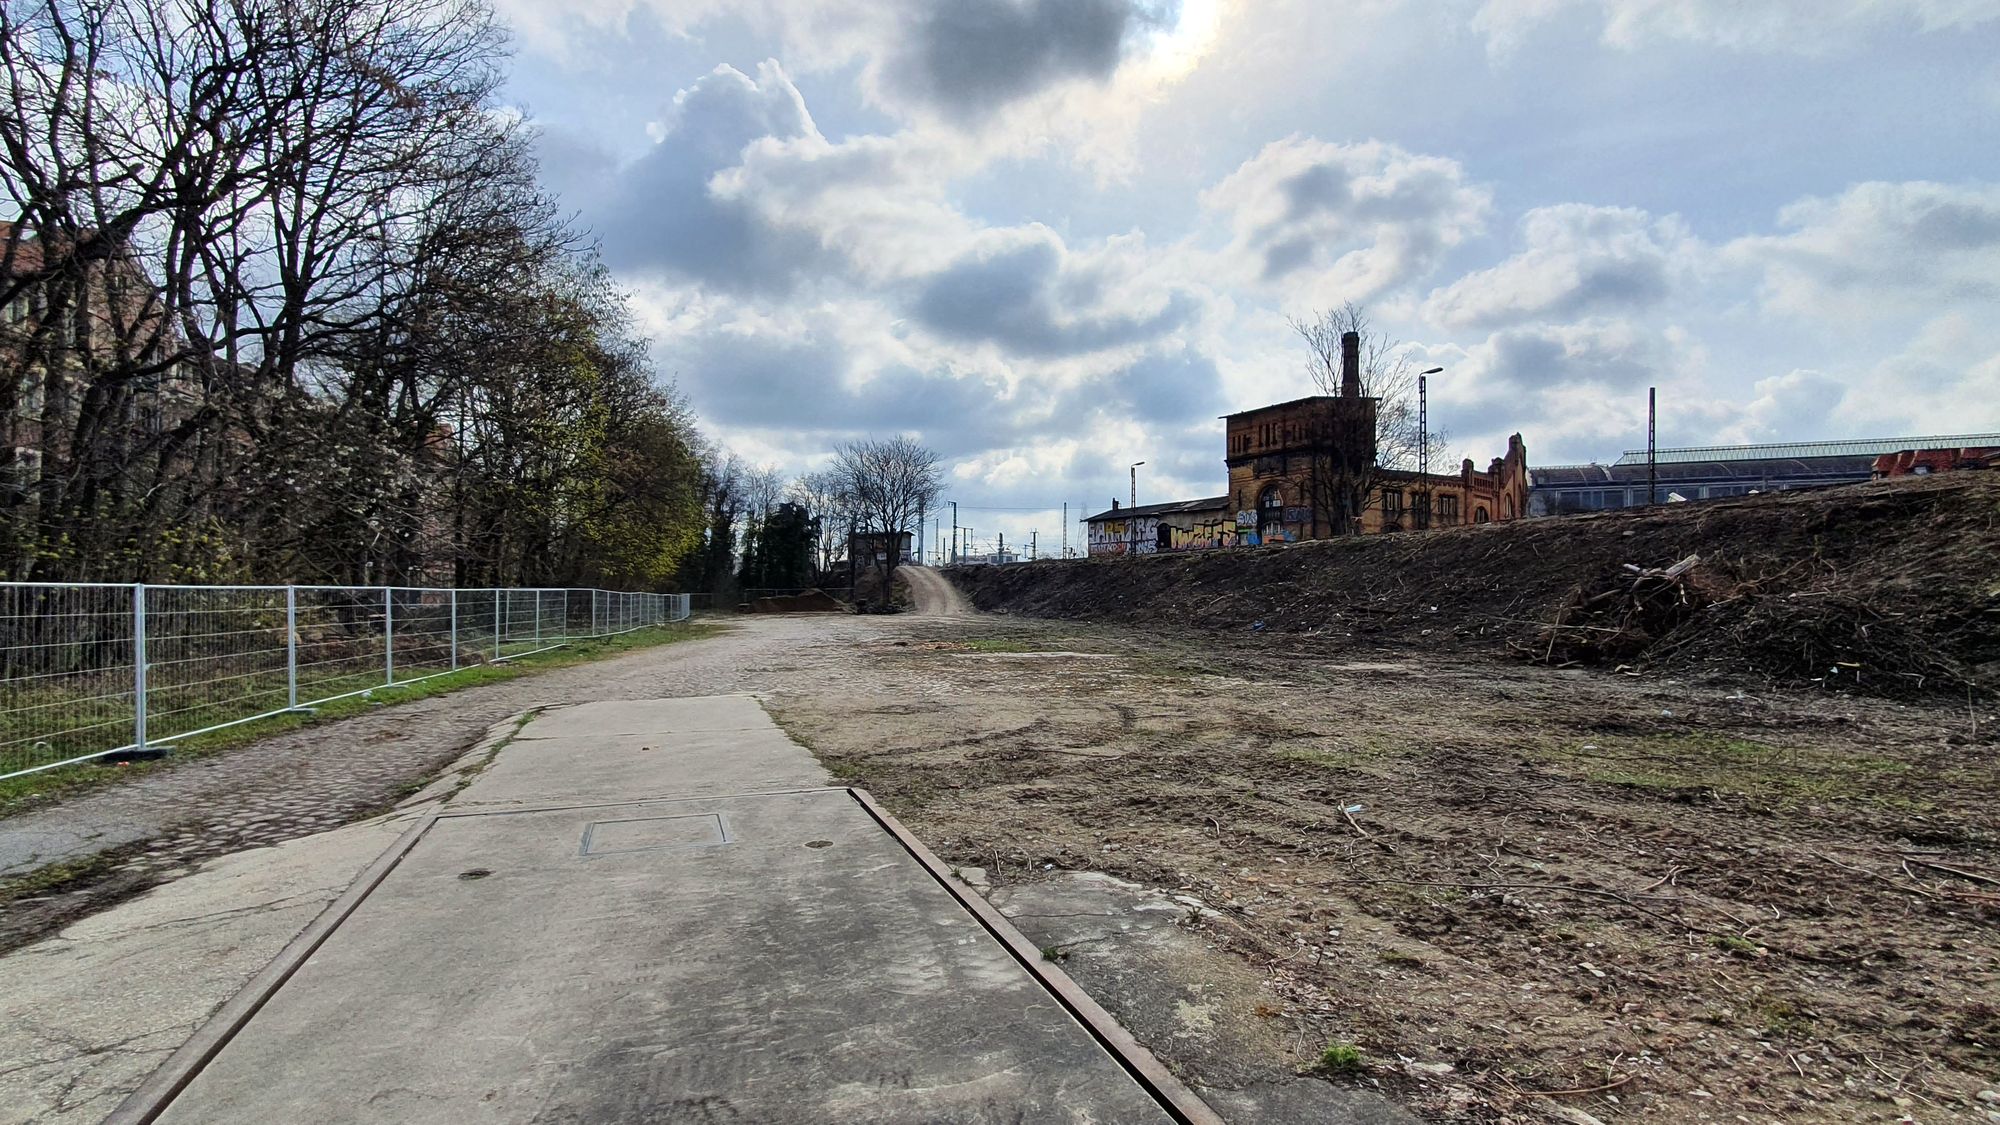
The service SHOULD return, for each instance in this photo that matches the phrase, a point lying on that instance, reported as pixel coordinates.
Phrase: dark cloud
(1158, 388)
(805, 389)
(661, 214)
(1578, 260)
(1017, 298)
(970, 57)
(1362, 217)
(1609, 354)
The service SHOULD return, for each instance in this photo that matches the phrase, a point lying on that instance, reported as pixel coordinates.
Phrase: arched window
(1273, 497)
(1481, 515)
(1510, 507)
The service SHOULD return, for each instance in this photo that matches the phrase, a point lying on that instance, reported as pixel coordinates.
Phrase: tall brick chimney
(1350, 365)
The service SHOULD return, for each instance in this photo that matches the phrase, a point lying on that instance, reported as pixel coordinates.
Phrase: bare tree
(890, 484)
(824, 495)
(1343, 480)
(283, 297)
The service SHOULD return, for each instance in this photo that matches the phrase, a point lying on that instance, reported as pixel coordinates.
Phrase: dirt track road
(1558, 885)
(934, 597)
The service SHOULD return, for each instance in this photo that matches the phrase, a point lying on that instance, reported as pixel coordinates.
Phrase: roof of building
(1212, 504)
(1294, 402)
(1831, 469)
(1859, 447)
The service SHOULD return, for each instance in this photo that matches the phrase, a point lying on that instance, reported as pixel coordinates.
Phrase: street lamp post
(1131, 520)
(1424, 445)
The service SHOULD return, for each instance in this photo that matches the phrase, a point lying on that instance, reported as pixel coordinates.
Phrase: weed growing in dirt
(1340, 1058)
(1780, 1017)
(1730, 943)
(1055, 953)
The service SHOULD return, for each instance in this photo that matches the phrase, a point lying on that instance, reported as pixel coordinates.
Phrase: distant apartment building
(1289, 466)
(1715, 471)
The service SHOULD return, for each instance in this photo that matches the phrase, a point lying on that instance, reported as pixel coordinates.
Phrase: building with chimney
(1309, 469)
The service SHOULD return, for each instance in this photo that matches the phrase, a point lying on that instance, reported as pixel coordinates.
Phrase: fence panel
(66, 673)
(215, 655)
(94, 669)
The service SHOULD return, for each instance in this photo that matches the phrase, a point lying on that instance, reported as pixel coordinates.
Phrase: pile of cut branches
(1619, 616)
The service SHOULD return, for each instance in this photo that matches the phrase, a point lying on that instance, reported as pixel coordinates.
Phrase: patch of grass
(1779, 1017)
(842, 768)
(1055, 953)
(1340, 1058)
(54, 875)
(1782, 776)
(1730, 943)
(1000, 644)
(28, 790)
(1346, 754)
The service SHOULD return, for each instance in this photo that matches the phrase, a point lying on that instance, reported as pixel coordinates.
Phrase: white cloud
(1578, 259)
(1881, 249)
(1332, 222)
(1781, 25)
(1945, 381)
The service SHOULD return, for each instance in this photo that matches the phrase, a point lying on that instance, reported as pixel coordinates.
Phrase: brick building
(94, 315)
(1306, 469)
(1923, 462)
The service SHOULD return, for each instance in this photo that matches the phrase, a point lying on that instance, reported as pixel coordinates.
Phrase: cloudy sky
(1054, 237)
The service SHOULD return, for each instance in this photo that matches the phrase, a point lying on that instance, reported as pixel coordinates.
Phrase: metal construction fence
(89, 670)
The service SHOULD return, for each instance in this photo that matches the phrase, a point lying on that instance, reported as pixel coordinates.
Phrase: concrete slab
(559, 951)
(663, 747)
(84, 1017)
(805, 970)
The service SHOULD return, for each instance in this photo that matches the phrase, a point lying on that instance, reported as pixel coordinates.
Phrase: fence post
(497, 595)
(454, 628)
(594, 629)
(538, 617)
(291, 648)
(388, 634)
(139, 666)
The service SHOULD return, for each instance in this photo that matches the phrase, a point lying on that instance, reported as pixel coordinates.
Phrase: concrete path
(656, 911)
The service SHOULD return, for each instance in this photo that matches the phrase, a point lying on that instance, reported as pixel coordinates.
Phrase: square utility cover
(638, 834)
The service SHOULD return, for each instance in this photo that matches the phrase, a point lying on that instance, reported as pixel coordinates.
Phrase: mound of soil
(1889, 587)
(811, 601)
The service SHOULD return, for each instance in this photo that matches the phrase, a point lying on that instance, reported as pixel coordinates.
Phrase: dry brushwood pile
(1621, 617)
(1886, 588)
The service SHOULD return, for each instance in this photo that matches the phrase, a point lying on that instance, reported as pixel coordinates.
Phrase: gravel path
(163, 822)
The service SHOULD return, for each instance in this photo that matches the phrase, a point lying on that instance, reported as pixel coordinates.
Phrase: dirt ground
(1633, 898)
(1564, 889)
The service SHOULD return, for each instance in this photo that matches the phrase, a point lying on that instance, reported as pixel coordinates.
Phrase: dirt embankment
(1889, 587)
